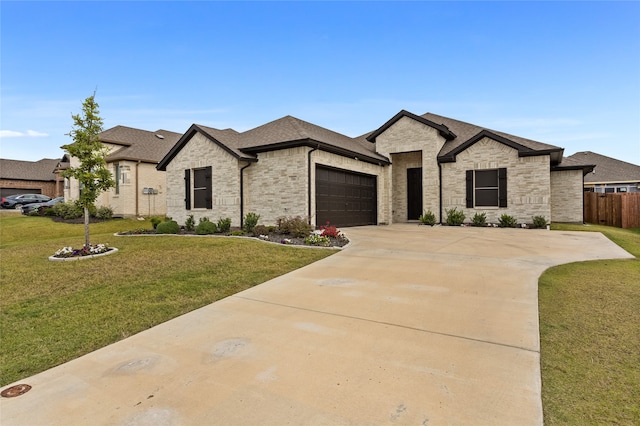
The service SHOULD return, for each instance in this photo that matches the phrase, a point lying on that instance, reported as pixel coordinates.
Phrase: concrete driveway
(408, 325)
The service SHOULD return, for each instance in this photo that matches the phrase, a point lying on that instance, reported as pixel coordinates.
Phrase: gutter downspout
(309, 181)
(137, 188)
(242, 194)
(440, 190)
(583, 221)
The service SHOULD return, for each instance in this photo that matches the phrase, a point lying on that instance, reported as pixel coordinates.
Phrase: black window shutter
(469, 189)
(209, 197)
(187, 189)
(502, 187)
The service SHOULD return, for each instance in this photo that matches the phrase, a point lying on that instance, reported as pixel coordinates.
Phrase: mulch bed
(273, 237)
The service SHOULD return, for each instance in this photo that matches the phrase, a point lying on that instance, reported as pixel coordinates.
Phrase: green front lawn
(52, 312)
(590, 336)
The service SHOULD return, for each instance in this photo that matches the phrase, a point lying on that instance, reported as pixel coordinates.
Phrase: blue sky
(564, 73)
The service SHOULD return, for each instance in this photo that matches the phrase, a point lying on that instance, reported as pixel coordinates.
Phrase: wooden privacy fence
(612, 209)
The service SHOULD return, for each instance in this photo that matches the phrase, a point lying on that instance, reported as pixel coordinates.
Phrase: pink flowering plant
(330, 231)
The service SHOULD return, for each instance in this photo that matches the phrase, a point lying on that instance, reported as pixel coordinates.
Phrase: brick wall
(276, 185)
(528, 181)
(31, 186)
(566, 196)
(201, 152)
(130, 201)
(402, 162)
(406, 136)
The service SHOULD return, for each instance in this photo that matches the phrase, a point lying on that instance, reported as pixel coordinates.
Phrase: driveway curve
(407, 325)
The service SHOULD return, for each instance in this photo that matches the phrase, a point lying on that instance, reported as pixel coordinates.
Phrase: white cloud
(34, 134)
(10, 134)
(27, 134)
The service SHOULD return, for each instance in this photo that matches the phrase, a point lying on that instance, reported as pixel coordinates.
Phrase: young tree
(92, 173)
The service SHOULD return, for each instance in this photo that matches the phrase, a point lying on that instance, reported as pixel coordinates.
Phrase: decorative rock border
(69, 259)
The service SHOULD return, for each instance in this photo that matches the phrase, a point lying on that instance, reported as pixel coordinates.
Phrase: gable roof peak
(443, 130)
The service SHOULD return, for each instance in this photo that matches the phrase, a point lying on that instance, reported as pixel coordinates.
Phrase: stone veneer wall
(528, 182)
(72, 190)
(404, 136)
(567, 202)
(225, 181)
(276, 185)
(133, 179)
(402, 162)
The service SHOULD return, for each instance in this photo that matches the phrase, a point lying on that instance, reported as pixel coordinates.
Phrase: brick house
(140, 188)
(32, 177)
(409, 165)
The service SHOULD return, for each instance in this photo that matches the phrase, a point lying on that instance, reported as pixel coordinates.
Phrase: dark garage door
(5, 192)
(345, 198)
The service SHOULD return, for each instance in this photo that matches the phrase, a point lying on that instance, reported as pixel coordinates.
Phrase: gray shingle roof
(290, 131)
(466, 131)
(227, 138)
(284, 132)
(41, 170)
(139, 145)
(607, 169)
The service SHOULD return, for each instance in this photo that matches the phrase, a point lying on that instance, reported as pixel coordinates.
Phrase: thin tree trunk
(86, 227)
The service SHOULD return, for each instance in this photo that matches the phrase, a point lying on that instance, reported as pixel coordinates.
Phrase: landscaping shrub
(49, 211)
(168, 227)
(155, 221)
(427, 218)
(507, 221)
(295, 226)
(330, 231)
(190, 223)
(224, 224)
(260, 230)
(68, 210)
(455, 217)
(237, 233)
(104, 213)
(539, 222)
(206, 227)
(479, 219)
(250, 221)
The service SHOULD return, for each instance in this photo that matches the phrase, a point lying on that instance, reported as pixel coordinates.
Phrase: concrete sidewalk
(408, 325)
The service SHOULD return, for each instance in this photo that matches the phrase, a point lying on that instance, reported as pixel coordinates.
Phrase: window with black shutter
(486, 188)
(202, 188)
(187, 189)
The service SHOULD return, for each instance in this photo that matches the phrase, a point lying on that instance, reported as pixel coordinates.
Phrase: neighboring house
(140, 188)
(609, 174)
(409, 165)
(32, 177)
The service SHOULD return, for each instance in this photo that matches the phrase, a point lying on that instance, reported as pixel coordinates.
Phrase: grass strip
(590, 336)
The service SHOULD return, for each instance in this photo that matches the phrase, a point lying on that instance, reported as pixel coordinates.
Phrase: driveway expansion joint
(406, 327)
